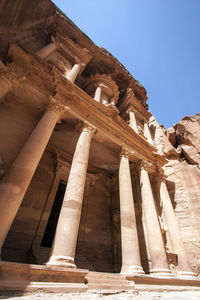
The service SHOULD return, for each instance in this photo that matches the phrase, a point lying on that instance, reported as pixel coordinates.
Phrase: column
(156, 247)
(133, 123)
(97, 95)
(173, 229)
(18, 177)
(72, 74)
(64, 245)
(147, 133)
(47, 50)
(131, 262)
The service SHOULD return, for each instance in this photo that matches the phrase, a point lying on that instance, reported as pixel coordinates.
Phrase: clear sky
(158, 41)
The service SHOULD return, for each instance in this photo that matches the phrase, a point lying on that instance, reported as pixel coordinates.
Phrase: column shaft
(64, 245)
(46, 50)
(16, 181)
(131, 262)
(72, 74)
(133, 123)
(174, 233)
(147, 133)
(156, 246)
(97, 96)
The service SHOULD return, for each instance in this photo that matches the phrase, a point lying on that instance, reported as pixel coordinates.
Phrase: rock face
(183, 178)
(186, 136)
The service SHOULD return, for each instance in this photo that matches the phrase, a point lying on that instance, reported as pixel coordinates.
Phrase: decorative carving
(112, 110)
(126, 153)
(56, 106)
(12, 78)
(131, 109)
(87, 127)
(144, 164)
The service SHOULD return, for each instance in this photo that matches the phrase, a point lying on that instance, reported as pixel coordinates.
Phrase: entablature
(85, 108)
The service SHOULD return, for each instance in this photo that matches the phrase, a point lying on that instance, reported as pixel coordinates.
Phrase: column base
(132, 270)
(186, 274)
(161, 273)
(61, 261)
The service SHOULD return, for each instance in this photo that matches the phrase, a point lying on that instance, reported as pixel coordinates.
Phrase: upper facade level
(42, 48)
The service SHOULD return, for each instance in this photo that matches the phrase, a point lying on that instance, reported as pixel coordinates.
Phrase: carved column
(72, 74)
(97, 96)
(133, 123)
(64, 245)
(18, 177)
(174, 233)
(47, 50)
(147, 133)
(131, 262)
(157, 251)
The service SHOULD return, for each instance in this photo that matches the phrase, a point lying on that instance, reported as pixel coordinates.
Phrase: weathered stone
(66, 196)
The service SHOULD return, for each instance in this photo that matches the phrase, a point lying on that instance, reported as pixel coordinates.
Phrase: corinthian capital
(13, 80)
(130, 109)
(56, 106)
(125, 152)
(87, 127)
(144, 164)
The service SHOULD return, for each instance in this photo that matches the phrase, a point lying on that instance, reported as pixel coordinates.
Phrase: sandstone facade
(94, 194)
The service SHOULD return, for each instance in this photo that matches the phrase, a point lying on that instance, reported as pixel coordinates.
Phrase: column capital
(125, 152)
(56, 106)
(131, 109)
(12, 78)
(144, 164)
(86, 127)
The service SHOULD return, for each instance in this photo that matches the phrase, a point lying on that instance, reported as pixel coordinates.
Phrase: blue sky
(158, 41)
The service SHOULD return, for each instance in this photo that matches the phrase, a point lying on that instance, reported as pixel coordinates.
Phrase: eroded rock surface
(186, 136)
(183, 180)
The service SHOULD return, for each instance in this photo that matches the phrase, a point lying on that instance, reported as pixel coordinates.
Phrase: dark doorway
(50, 230)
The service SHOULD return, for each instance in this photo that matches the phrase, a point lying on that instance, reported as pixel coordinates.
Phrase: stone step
(107, 281)
(46, 287)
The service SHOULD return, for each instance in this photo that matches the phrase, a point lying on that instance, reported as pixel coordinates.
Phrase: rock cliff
(183, 180)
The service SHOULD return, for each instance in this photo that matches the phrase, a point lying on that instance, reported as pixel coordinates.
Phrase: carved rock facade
(85, 168)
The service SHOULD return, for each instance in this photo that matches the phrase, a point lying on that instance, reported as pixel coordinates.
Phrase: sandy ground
(187, 295)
